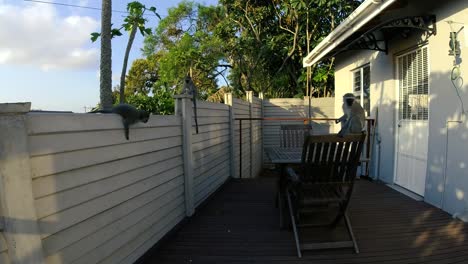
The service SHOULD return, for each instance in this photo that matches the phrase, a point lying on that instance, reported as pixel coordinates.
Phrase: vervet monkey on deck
(354, 118)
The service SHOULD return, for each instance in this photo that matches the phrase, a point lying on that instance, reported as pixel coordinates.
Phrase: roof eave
(357, 19)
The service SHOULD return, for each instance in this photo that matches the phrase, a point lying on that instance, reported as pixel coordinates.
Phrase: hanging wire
(78, 6)
(455, 77)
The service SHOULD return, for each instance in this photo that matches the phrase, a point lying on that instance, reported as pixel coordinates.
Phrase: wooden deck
(240, 225)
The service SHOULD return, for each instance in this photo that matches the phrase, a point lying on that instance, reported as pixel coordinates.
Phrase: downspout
(442, 202)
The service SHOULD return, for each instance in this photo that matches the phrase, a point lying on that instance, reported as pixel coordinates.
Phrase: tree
(305, 24)
(161, 103)
(272, 37)
(142, 75)
(254, 45)
(106, 55)
(133, 21)
(184, 42)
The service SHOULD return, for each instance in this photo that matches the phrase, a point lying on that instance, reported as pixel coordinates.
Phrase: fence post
(21, 228)
(184, 109)
(250, 100)
(307, 108)
(262, 115)
(229, 101)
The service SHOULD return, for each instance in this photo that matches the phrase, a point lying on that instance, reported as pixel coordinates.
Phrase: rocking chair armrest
(292, 175)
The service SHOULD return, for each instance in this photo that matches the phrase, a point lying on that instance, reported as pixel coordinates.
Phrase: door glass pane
(366, 89)
(357, 81)
(413, 84)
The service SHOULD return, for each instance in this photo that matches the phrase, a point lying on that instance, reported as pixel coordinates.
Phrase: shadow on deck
(240, 224)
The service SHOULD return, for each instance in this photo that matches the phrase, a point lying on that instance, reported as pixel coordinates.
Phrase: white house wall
(382, 97)
(447, 163)
(444, 104)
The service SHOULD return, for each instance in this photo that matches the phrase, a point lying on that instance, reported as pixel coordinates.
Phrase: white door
(412, 120)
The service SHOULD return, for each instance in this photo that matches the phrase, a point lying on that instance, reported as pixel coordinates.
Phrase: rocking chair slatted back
(331, 159)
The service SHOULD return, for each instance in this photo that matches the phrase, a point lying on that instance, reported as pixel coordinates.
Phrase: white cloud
(36, 35)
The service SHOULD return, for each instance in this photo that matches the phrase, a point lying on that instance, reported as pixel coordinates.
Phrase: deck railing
(366, 154)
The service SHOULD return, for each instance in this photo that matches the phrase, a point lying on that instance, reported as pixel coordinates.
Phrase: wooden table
(283, 157)
(280, 155)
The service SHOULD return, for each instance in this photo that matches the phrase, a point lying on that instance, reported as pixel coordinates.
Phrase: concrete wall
(446, 162)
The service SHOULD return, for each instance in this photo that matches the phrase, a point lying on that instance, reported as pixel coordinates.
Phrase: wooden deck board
(240, 224)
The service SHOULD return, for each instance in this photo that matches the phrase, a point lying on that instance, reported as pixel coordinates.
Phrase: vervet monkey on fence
(354, 118)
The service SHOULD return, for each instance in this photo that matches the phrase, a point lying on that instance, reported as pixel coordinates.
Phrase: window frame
(360, 94)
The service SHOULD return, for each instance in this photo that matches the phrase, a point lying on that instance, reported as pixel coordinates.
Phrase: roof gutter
(358, 18)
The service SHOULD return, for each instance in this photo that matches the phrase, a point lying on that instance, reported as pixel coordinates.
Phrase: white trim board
(406, 192)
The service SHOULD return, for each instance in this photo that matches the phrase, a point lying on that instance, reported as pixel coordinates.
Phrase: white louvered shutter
(413, 76)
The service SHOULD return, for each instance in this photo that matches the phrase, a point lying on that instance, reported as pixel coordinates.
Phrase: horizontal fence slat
(156, 221)
(201, 137)
(212, 113)
(55, 163)
(68, 236)
(204, 154)
(212, 106)
(210, 121)
(40, 123)
(54, 203)
(213, 182)
(202, 165)
(56, 143)
(145, 240)
(207, 166)
(64, 219)
(62, 181)
(205, 144)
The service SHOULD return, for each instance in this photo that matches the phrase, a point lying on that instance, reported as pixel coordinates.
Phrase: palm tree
(133, 22)
(133, 31)
(106, 55)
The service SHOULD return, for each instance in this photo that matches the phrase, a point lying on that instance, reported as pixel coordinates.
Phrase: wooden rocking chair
(324, 181)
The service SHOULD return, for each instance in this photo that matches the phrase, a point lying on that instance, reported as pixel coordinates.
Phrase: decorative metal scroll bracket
(426, 23)
(370, 41)
(375, 39)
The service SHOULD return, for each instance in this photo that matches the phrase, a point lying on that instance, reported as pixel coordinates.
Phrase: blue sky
(46, 56)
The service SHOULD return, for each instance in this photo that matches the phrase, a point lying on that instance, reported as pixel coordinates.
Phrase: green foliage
(253, 45)
(135, 16)
(159, 103)
(133, 21)
(142, 75)
(95, 36)
(185, 44)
